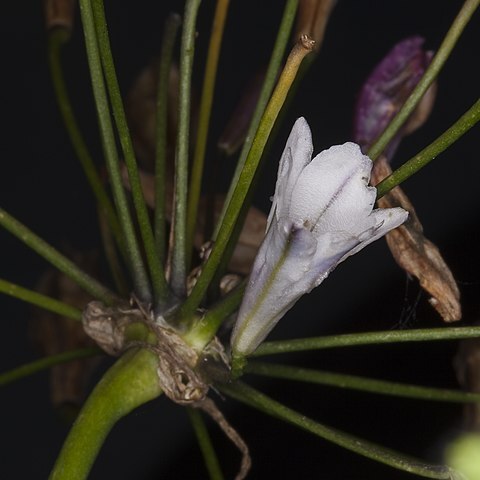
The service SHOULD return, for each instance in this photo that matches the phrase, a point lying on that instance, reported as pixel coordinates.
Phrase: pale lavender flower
(322, 213)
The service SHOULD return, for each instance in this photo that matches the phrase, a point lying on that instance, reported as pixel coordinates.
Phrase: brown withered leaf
(250, 238)
(417, 255)
(467, 369)
(54, 334)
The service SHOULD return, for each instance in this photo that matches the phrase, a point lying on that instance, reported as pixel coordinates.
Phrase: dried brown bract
(417, 255)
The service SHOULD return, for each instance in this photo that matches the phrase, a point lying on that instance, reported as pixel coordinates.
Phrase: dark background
(43, 186)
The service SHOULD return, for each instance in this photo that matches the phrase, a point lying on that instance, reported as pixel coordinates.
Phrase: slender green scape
(423, 158)
(135, 260)
(172, 24)
(179, 253)
(157, 273)
(66, 266)
(245, 394)
(204, 119)
(209, 456)
(43, 301)
(46, 362)
(362, 384)
(369, 338)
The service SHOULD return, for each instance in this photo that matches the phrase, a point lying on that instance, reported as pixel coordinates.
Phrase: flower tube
(322, 213)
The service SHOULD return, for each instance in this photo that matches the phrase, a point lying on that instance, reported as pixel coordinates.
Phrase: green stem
(131, 382)
(155, 267)
(40, 300)
(179, 254)
(45, 363)
(206, 328)
(204, 118)
(259, 401)
(361, 383)
(429, 76)
(450, 136)
(369, 338)
(85, 281)
(298, 53)
(271, 75)
(172, 24)
(56, 40)
(135, 262)
(209, 456)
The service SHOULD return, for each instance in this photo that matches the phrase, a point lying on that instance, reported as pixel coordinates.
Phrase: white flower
(322, 213)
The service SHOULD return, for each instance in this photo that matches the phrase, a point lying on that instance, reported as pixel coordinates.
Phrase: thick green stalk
(135, 261)
(259, 401)
(172, 24)
(179, 254)
(298, 53)
(361, 383)
(82, 279)
(429, 76)
(40, 300)
(204, 119)
(56, 40)
(369, 338)
(45, 363)
(450, 136)
(271, 75)
(131, 382)
(203, 438)
(155, 267)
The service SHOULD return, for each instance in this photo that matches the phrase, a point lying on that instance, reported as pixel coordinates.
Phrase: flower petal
(296, 155)
(283, 270)
(331, 193)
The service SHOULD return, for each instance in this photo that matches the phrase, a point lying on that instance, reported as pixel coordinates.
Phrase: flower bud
(322, 213)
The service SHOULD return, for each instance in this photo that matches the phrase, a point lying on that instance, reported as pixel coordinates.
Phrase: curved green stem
(85, 281)
(203, 438)
(172, 24)
(179, 254)
(40, 300)
(259, 401)
(361, 383)
(298, 53)
(135, 260)
(268, 84)
(45, 363)
(155, 267)
(56, 40)
(208, 90)
(369, 338)
(450, 136)
(429, 76)
(131, 382)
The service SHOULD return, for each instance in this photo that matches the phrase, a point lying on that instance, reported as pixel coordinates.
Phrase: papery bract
(322, 213)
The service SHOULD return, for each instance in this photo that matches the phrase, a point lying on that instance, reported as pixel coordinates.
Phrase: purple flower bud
(386, 89)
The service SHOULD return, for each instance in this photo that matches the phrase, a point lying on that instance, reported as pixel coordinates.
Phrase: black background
(43, 186)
